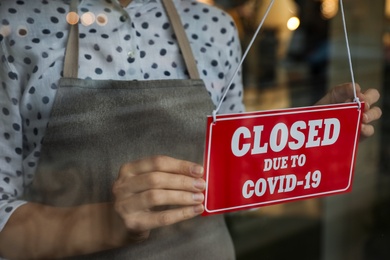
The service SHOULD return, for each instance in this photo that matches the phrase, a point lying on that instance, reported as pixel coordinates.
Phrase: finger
(371, 115)
(172, 216)
(155, 198)
(367, 130)
(162, 180)
(150, 220)
(162, 164)
(370, 97)
(145, 201)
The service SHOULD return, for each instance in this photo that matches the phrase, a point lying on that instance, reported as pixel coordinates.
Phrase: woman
(99, 127)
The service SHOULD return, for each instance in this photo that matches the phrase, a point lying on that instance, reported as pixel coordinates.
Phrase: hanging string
(242, 60)
(356, 99)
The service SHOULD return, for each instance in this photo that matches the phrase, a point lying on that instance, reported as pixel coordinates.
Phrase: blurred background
(299, 54)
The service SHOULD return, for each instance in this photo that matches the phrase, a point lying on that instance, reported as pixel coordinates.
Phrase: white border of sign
(273, 113)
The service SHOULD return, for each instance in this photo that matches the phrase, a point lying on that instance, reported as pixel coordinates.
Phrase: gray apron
(97, 125)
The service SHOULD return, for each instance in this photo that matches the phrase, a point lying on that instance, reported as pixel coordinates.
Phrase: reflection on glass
(22, 31)
(72, 18)
(5, 30)
(88, 19)
(101, 19)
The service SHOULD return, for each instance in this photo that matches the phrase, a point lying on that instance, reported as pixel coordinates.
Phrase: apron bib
(97, 125)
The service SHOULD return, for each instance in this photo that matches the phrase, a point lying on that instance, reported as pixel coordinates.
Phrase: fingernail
(198, 209)
(199, 197)
(197, 170)
(199, 184)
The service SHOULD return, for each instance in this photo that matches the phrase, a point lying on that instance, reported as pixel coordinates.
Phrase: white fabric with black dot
(131, 43)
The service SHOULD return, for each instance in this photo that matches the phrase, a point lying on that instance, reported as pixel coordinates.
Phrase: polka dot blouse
(135, 42)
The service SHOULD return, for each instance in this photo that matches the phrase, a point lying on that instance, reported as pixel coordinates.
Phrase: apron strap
(71, 62)
(182, 39)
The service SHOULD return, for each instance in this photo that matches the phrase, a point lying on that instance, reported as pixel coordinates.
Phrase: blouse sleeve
(11, 136)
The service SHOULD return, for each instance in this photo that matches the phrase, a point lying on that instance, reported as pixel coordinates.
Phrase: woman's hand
(144, 188)
(345, 93)
(141, 188)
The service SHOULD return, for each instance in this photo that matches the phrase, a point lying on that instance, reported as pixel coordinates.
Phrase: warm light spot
(387, 8)
(386, 39)
(209, 2)
(72, 18)
(101, 19)
(87, 19)
(293, 23)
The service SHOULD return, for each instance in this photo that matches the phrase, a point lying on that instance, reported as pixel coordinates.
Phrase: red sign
(263, 158)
